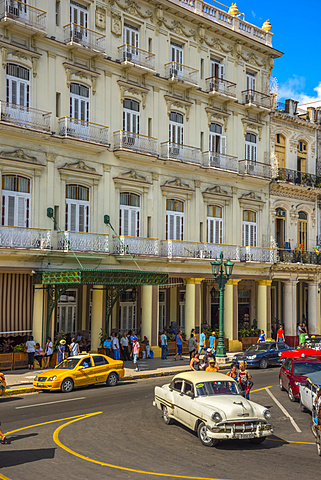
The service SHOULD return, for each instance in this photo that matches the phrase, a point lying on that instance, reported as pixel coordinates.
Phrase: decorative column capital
(264, 283)
(233, 281)
(193, 281)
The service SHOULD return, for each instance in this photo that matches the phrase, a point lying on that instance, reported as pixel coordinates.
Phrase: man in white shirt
(124, 346)
(115, 342)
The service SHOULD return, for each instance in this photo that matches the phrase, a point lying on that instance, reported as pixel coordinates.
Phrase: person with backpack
(245, 381)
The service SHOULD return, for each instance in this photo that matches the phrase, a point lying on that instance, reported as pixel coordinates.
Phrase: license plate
(39, 384)
(244, 435)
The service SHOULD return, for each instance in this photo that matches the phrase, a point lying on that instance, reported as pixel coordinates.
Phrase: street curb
(17, 391)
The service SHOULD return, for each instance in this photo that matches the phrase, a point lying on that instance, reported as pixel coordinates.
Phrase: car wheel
(291, 396)
(67, 385)
(263, 363)
(302, 407)
(167, 419)
(281, 385)
(258, 440)
(112, 379)
(202, 435)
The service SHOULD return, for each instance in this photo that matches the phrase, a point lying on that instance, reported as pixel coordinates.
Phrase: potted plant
(6, 355)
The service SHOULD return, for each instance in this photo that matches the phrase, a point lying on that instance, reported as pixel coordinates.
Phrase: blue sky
(296, 29)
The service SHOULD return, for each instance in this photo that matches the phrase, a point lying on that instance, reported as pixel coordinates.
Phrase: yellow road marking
(103, 464)
(259, 389)
(290, 441)
(4, 478)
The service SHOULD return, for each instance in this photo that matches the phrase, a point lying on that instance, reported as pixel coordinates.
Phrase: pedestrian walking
(39, 353)
(280, 335)
(74, 348)
(146, 340)
(61, 350)
(245, 381)
(48, 352)
(164, 345)
(30, 349)
(135, 352)
(124, 347)
(108, 347)
(179, 345)
(115, 343)
(192, 345)
(206, 359)
(195, 362)
(3, 437)
(212, 342)
(233, 373)
(202, 342)
(261, 337)
(305, 328)
(211, 366)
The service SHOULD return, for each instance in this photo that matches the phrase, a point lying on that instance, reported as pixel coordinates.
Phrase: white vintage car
(308, 391)
(211, 405)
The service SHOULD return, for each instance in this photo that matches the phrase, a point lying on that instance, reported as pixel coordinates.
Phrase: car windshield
(257, 347)
(216, 388)
(304, 368)
(68, 364)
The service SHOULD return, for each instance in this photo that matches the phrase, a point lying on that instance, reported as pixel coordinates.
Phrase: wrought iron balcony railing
(219, 160)
(137, 56)
(258, 254)
(20, 237)
(135, 142)
(25, 116)
(180, 152)
(297, 256)
(136, 246)
(91, 132)
(259, 99)
(78, 35)
(299, 178)
(220, 86)
(182, 248)
(83, 242)
(257, 169)
(23, 13)
(177, 71)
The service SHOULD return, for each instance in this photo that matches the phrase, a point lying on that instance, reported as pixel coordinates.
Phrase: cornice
(293, 119)
(291, 190)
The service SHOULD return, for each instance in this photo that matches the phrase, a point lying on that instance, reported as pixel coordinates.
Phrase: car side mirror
(80, 367)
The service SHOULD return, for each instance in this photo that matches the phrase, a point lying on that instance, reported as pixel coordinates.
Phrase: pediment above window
(76, 73)
(18, 158)
(216, 194)
(137, 91)
(174, 103)
(132, 179)
(214, 115)
(16, 54)
(177, 187)
(79, 170)
(252, 200)
(252, 126)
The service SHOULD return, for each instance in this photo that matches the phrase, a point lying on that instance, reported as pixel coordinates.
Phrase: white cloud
(294, 88)
(253, 14)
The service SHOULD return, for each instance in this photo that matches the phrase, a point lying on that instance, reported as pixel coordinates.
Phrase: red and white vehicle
(294, 372)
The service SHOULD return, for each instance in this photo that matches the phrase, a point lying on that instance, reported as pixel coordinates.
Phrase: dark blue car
(262, 354)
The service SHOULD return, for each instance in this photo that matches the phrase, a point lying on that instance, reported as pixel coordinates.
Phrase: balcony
(219, 160)
(256, 100)
(132, 57)
(183, 153)
(20, 237)
(256, 169)
(297, 256)
(177, 72)
(78, 36)
(136, 246)
(177, 248)
(24, 116)
(258, 254)
(221, 88)
(79, 129)
(23, 16)
(83, 242)
(298, 178)
(135, 142)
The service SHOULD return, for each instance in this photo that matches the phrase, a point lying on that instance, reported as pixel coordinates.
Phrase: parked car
(310, 348)
(295, 371)
(3, 384)
(80, 371)
(262, 354)
(211, 405)
(308, 391)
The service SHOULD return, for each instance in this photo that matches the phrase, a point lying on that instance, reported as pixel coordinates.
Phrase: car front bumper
(232, 431)
(250, 363)
(47, 385)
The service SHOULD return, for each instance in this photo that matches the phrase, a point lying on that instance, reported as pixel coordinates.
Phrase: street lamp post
(221, 278)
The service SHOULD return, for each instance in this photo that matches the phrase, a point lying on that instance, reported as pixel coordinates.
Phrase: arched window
(250, 147)
(217, 141)
(176, 128)
(18, 85)
(302, 151)
(249, 228)
(280, 150)
(214, 224)
(77, 208)
(131, 113)
(303, 230)
(79, 102)
(16, 200)
(129, 217)
(174, 219)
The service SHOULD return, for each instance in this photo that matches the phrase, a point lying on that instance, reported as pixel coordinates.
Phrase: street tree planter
(6, 361)
(248, 341)
(20, 360)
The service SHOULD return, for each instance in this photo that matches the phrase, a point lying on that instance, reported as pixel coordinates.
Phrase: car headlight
(36, 378)
(267, 414)
(279, 354)
(297, 384)
(251, 357)
(216, 417)
(50, 379)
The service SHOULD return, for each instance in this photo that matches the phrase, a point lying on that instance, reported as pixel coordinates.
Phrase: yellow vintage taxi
(3, 384)
(80, 371)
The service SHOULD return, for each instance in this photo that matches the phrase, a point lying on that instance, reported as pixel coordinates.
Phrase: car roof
(315, 378)
(83, 355)
(304, 359)
(202, 376)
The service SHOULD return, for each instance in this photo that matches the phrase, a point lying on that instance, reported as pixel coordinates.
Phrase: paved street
(126, 438)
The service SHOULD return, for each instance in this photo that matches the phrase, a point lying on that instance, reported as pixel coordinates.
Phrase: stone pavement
(17, 380)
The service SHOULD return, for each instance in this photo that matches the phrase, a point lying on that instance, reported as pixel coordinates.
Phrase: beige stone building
(158, 116)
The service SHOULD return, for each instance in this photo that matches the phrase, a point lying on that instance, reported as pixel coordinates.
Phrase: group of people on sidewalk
(35, 352)
(128, 347)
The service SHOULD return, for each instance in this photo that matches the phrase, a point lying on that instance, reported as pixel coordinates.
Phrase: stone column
(192, 304)
(262, 305)
(84, 308)
(97, 315)
(155, 316)
(290, 311)
(38, 327)
(312, 307)
(231, 309)
(147, 306)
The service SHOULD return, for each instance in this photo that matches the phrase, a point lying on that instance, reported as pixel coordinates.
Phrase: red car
(294, 371)
(301, 352)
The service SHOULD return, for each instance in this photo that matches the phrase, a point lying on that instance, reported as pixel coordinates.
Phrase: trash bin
(151, 354)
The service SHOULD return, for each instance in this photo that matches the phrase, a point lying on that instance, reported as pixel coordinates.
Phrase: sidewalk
(18, 380)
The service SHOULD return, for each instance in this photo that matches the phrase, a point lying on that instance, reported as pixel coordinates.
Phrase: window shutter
(222, 71)
(223, 145)
(11, 208)
(81, 218)
(171, 227)
(253, 235)
(182, 136)
(125, 221)
(217, 231)
(66, 217)
(137, 223)
(210, 230)
(73, 213)
(129, 317)
(13, 92)
(87, 219)
(133, 223)
(21, 212)
(3, 210)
